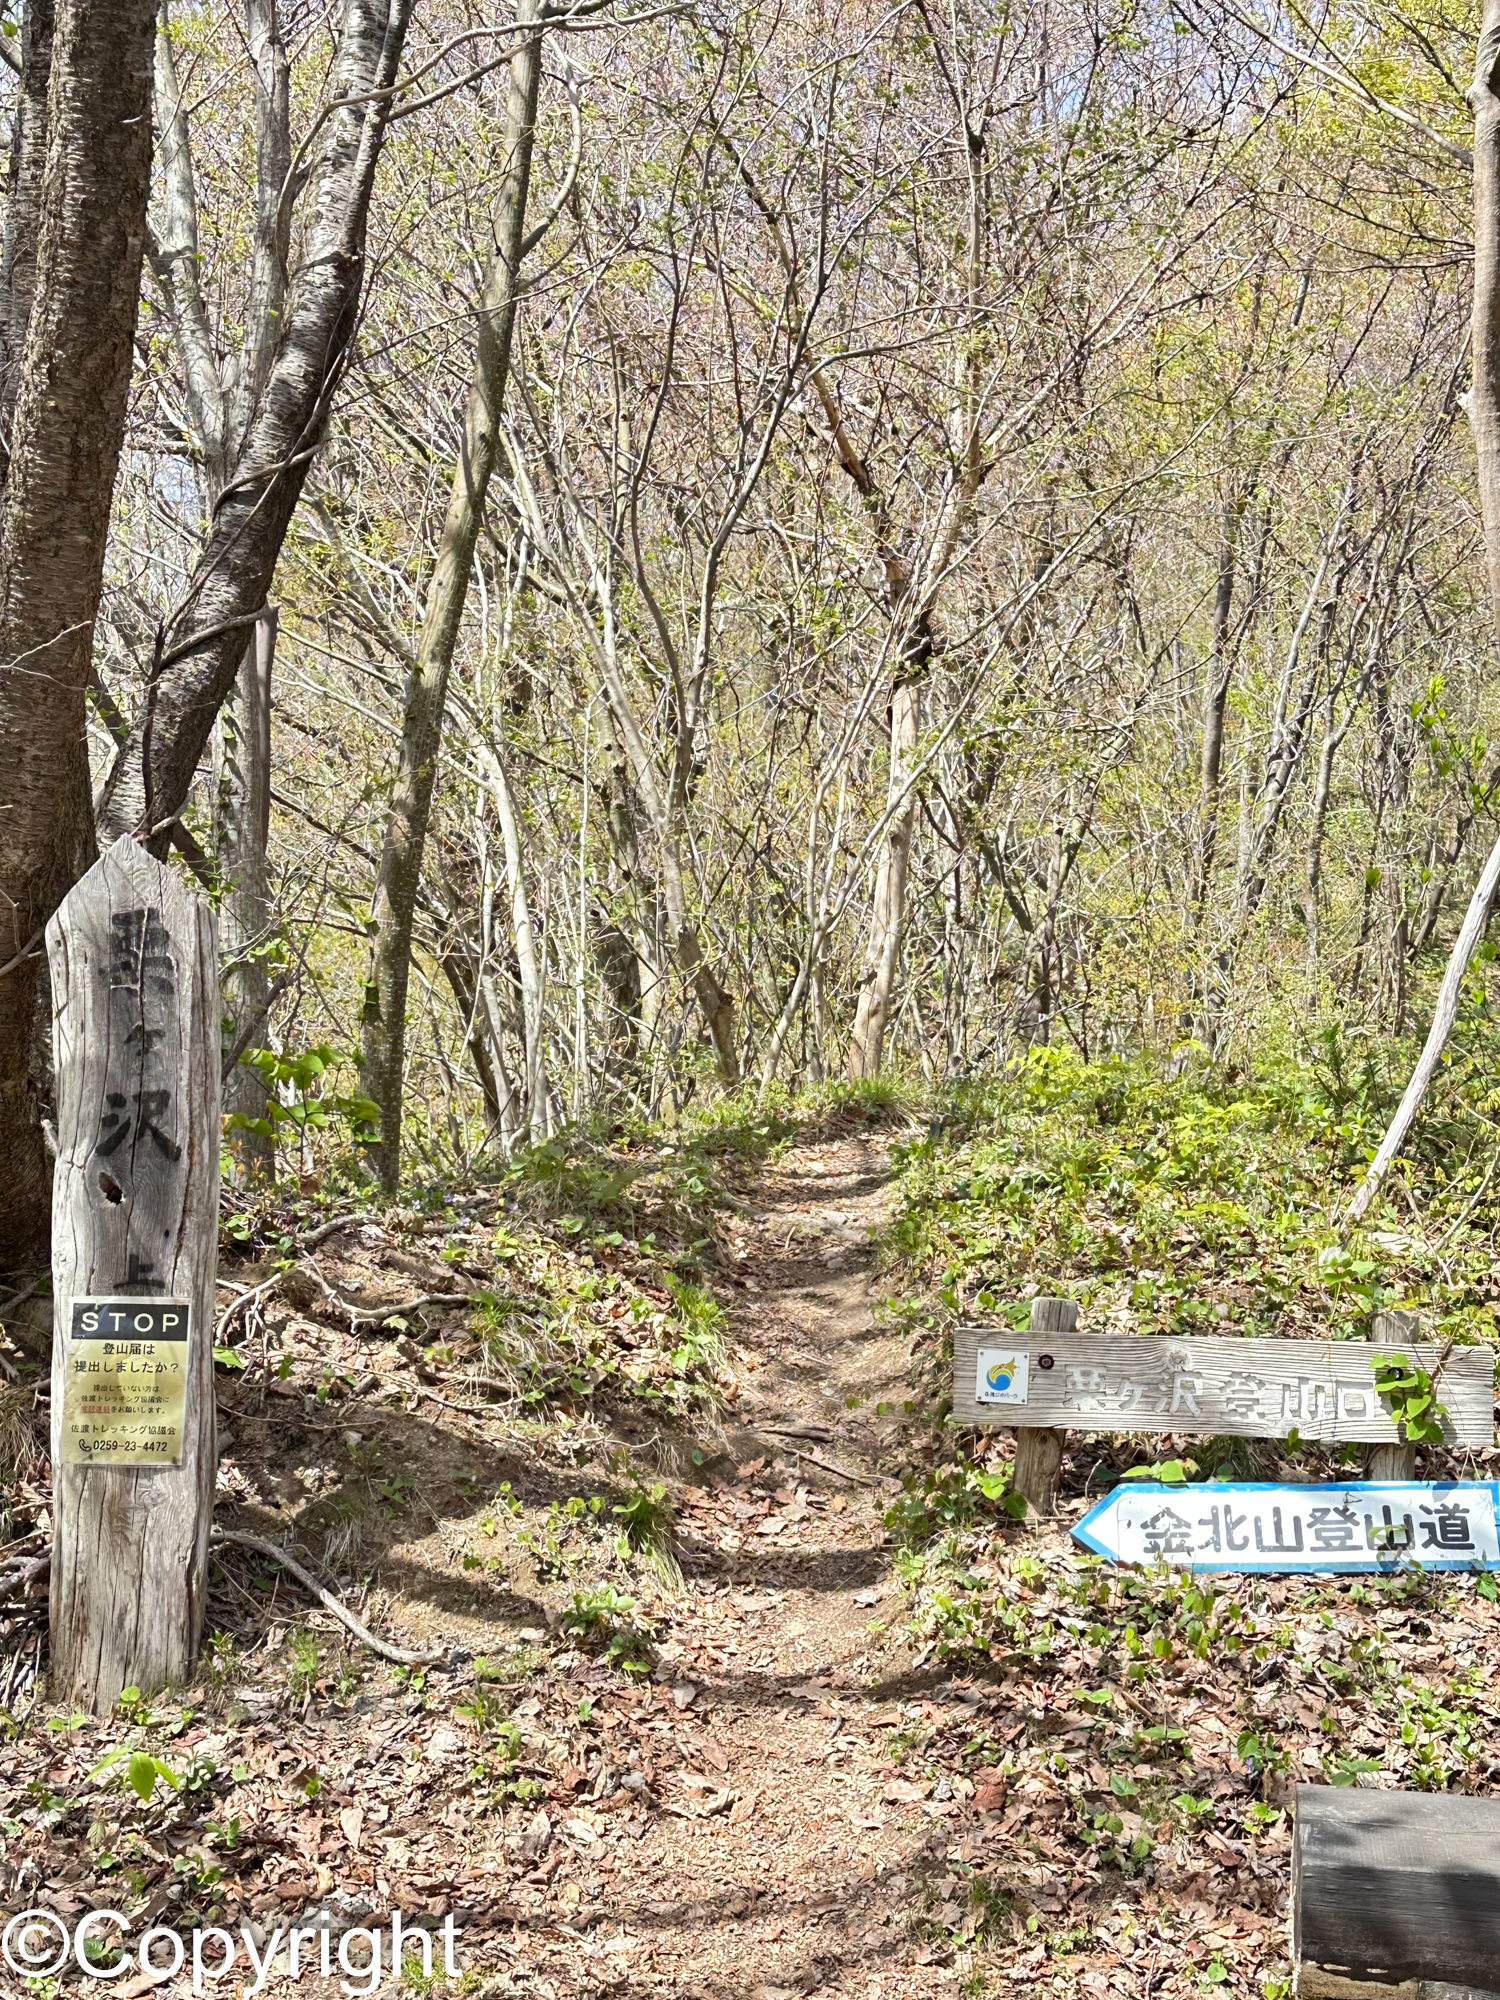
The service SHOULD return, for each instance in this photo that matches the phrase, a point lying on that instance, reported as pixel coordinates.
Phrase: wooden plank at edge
(1398, 1883)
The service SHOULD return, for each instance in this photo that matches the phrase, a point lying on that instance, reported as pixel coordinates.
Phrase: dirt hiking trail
(787, 1857)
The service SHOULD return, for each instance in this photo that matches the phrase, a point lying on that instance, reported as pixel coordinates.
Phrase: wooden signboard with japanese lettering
(135, 1213)
(1369, 1526)
(1216, 1387)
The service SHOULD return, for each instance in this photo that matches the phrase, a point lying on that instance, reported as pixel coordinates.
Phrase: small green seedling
(142, 1771)
(1407, 1390)
(1170, 1471)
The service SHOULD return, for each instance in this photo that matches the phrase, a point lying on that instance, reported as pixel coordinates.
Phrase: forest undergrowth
(1166, 1719)
(743, 1677)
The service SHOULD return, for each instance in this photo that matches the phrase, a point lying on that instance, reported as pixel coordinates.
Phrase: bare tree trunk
(676, 942)
(1290, 726)
(242, 812)
(268, 264)
(28, 153)
(619, 966)
(484, 1049)
(177, 268)
(1043, 966)
(1215, 703)
(1483, 401)
(1443, 1017)
(911, 598)
(221, 406)
(200, 646)
(533, 995)
(1043, 943)
(715, 1002)
(221, 401)
(628, 964)
(383, 1052)
(877, 979)
(1484, 417)
(1444, 860)
(65, 447)
(1322, 793)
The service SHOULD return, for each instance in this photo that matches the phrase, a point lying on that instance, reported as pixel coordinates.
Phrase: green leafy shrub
(602, 1619)
(300, 1096)
(1408, 1392)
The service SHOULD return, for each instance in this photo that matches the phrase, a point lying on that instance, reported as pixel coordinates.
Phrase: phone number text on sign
(125, 1387)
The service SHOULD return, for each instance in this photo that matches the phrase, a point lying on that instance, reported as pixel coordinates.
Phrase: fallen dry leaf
(904, 1792)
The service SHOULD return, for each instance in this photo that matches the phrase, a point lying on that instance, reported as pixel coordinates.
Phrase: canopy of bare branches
(657, 547)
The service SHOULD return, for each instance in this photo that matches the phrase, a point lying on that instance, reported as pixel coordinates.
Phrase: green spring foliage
(1168, 1196)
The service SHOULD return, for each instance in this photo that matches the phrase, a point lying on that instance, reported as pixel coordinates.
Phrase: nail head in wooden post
(1393, 1330)
(1039, 1451)
(135, 1221)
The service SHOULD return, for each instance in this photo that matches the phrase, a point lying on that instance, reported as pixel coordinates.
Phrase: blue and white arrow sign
(1366, 1525)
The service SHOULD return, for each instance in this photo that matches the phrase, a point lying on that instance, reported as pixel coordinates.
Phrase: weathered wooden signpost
(1323, 1390)
(1391, 1332)
(135, 1213)
(1039, 1448)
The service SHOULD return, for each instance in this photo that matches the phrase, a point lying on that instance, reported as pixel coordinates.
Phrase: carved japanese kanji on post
(135, 1234)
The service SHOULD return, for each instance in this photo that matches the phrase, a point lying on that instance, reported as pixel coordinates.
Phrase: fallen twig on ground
(402, 1655)
(373, 1316)
(377, 1316)
(827, 1465)
(23, 1574)
(245, 1298)
(468, 1409)
(289, 1417)
(326, 1229)
(15, 1298)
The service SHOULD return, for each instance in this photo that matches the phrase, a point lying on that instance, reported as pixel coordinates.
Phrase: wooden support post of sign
(1393, 1331)
(1039, 1451)
(1397, 1885)
(135, 1223)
